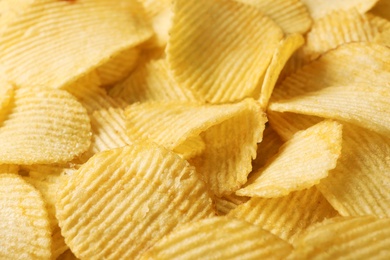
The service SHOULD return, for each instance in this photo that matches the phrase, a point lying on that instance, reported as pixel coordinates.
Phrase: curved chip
(118, 204)
(192, 147)
(226, 61)
(291, 15)
(320, 8)
(230, 132)
(213, 239)
(24, 226)
(227, 203)
(345, 238)
(87, 33)
(301, 162)
(44, 126)
(287, 217)
(321, 88)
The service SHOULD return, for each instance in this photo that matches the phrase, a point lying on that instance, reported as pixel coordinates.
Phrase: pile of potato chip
(194, 129)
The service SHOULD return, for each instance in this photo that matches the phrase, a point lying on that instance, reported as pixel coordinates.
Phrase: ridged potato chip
(24, 226)
(288, 216)
(122, 201)
(44, 126)
(191, 147)
(301, 162)
(319, 8)
(227, 203)
(86, 34)
(322, 89)
(219, 238)
(223, 62)
(345, 238)
(291, 15)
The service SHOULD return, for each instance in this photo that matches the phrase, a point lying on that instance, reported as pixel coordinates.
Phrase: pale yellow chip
(301, 162)
(152, 81)
(24, 226)
(287, 217)
(230, 132)
(345, 238)
(358, 184)
(122, 201)
(191, 147)
(86, 34)
(382, 8)
(291, 15)
(322, 89)
(118, 67)
(219, 238)
(44, 126)
(285, 50)
(222, 56)
(227, 203)
(320, 8)
(338, 28)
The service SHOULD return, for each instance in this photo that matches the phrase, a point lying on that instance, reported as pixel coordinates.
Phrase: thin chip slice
(151, 81)
(337, 28)
(192, 147)
(301, 162)
(287, 217)
(226, 61)
(231, 133)
(291, 15)
(213, 239)
(118, 204)
(320, 8)
(24, 226)
(87, 33)
(44, 126)
(282, 54)
(345, 238)
(322, 88)
(227, 203)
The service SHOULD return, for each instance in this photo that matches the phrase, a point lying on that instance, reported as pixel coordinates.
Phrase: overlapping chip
(299, 164)
(345, 238)
(227, 203)
(223, 62)
(122, 201)
(214, 239)
(24, 226)
(44, 126)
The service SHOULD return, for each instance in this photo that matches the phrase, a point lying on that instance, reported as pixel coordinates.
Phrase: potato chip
(226, 61)
(227, 203)
(321, 88)
(337, 28)
(384, 38)
(345, 238)
(301, 162)
(24, 226)
(296, 61)
(287, 217)
(152, 81)
(118, 204)
(319, 8)
(191, 147)
(219, 238)
(87, 33)
(44, 126)
(284, 51)
(358, 185)
(291, 15)
(6, 95)
(118, 67)
(379, 23)
(382, 8)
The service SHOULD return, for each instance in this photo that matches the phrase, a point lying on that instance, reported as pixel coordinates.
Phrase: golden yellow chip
(321, 88)
(86, 34)
(122, 201)
(9, 168)
(152, 81)
(301, 162)
(291, 15)
(345, 238)
(227, 203)
(191, 147)
(44, 126)
(337, 28)
(24, 226)
(6, 95)
(287, 217)
(285, 49)
(223, 62)
(230, 133)
(320, 8)
(68, 255)
(219, 238)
